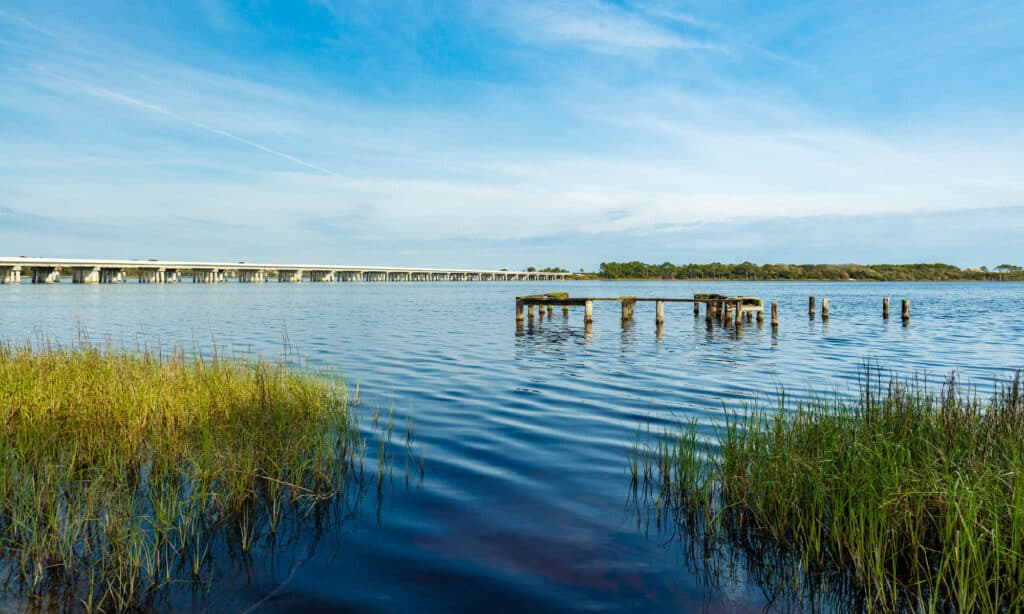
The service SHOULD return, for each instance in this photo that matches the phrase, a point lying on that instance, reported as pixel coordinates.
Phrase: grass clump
(119, 470)
(902, 500)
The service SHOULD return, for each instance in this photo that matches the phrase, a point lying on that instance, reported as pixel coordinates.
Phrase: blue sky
(513, 133)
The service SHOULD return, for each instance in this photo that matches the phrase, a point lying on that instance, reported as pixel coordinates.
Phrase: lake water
(524, 499)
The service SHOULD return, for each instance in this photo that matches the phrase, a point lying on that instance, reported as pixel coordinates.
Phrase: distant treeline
(830, 272)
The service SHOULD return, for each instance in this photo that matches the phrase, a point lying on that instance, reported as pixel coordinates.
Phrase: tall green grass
(902, 500)
(119, 470)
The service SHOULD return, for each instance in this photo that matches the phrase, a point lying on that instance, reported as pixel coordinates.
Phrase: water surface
(525, 434)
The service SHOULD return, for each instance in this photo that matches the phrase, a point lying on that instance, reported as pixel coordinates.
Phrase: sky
(513, 134)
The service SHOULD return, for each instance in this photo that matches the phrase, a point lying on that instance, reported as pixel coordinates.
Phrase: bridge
(97, 271)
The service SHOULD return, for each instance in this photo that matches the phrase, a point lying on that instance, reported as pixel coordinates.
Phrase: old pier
(717, 307)
(726, 310)
(86, 271)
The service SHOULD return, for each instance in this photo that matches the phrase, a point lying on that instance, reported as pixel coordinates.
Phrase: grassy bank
(118, 470)
(901, 500)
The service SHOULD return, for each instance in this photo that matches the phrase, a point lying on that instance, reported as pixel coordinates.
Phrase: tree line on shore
(830, 272)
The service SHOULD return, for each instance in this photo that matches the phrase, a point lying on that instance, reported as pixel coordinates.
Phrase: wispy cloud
(129, 100)
(599, 27)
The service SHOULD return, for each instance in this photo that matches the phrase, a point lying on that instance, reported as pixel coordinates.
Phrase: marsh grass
(120, 471)
(902, 500)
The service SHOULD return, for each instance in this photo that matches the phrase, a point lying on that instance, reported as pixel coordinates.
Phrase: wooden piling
(810, 306)
(696, 308)
(906, 310)
(519, 311)
(739, 314)
(659, 312)
(885, 308)
(628, 303)
(551, 311)
(588, 312)
(775, 314)
(540, 312)
(760, 314)
(824, 309)
(565, 311)
(529, 313)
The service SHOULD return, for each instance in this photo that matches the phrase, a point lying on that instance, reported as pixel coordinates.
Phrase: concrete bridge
(91, 271)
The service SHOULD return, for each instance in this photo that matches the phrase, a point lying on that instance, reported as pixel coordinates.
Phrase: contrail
(124, 98)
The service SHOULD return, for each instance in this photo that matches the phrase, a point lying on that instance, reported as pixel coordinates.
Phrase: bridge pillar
(85, 274)
(112, 275)
(207, 276)
(289, 275)
(45, 275)
(321, 276)
(10, 275)
(151, 275)
(252, 276)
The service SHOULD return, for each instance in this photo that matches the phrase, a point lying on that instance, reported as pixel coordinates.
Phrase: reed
(901, 500)
(119, 470)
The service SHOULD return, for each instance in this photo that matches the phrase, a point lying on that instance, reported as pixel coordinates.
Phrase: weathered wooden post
(519, 311)
(824, 309)
(628, 302)
(696, 307)
(810, 307)
(906, 310)
(529, 312)
(659, 313)
(775, 315)
(565, 311)
(885, 308)
(760, 311)
(739, 313)
(588, 312)
(551, 311)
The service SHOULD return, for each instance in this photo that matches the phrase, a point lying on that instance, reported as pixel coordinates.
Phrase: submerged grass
(902, 500)
(119, 470)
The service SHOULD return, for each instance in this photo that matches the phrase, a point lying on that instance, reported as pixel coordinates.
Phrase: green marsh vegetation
(123, 473)
(904, 499)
